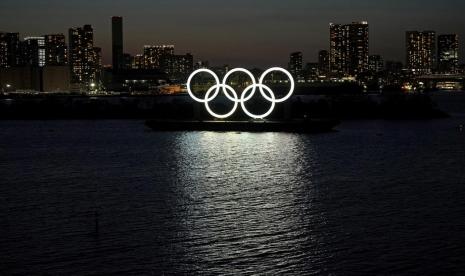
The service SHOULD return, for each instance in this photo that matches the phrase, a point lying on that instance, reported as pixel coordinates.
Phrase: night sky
(241, 32)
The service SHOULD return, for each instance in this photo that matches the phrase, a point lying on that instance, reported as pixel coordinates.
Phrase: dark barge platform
(292, 126)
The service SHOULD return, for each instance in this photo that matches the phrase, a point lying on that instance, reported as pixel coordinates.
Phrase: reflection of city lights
(247, 93)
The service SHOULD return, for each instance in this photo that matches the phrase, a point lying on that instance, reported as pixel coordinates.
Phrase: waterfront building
(177, 67)
(10, 50)
(33, 51)
(82, 57)
(323, 62)
(375, 63)
(117, 43)
(448, 53)
(421, 51)
(296, 64)
(56, 52)
(349, 48)
(153, 55)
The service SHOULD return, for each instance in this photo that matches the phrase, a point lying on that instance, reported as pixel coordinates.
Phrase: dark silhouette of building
(137, 80)
(296, 64)
(312, 71)
(33, 51)
(177, 67)
(393, 66)
(98, 69)
(56, 52)
(127, 61)
(35, 78)
(421, 49)
(10, 50)
(349, 48)
(323, 62)
(448, 53)
(82, 57)
(117, 42)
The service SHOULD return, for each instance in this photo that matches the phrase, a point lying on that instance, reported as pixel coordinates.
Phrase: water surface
(107, 197)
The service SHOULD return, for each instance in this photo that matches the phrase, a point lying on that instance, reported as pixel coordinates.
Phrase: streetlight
(92, 86)
(7, 87)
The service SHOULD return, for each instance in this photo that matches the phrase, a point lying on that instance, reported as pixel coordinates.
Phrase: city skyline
(193, 29)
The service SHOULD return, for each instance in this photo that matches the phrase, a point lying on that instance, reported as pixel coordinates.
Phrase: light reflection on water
(374, 197)
(238, 206)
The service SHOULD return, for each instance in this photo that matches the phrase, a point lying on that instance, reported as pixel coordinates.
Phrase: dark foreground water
(111, 197)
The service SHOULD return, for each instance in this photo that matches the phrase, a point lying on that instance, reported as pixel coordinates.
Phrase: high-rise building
(349, 48)
(56, 52)
(359, 47)
(339, 48)
(421, 51)
(34, 51)
(3, 52)
(375, 63)
(323, 62)
(117, 42)
(177, 67)
(98, 67)
(296, 64)
(10, 50)
(448, 53)
(82, 56)
(153, 55)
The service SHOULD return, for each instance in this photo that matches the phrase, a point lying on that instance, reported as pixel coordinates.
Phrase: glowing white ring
(246, 95)
(217, 80)
(291, 90)
(273, 102)
(224, 88)
(247, 72)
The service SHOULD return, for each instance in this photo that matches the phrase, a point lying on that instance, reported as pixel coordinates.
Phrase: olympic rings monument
(256, 122)
(246, 95)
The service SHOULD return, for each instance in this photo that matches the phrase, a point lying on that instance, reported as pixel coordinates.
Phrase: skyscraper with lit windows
(448, 53)
(82, 56)
(349, 48)
(296, 64)
(177, 67)
(34, 51)
(10, 50)
(56, 52)
(421, 50)
(323, 62)
(358, 47)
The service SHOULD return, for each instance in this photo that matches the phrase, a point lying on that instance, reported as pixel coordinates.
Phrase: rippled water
(107, 197)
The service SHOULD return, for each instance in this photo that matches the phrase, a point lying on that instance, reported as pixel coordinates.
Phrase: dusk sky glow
(258, 33)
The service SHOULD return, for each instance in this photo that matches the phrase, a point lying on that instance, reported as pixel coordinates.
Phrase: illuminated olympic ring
(246, 95)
